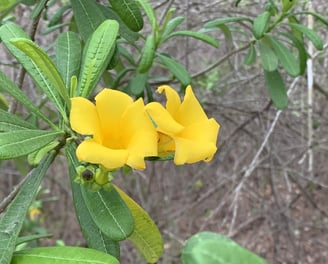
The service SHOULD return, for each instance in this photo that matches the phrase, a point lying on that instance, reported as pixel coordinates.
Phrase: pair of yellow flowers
(122, 131)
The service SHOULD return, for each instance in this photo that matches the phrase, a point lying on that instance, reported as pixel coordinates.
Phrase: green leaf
(40, 5)
(276, 88)
(4, 105)
(321, 18)
(109, 212)
(68, 56)
(250, 56)
(62, 255)
(6, 4)
(309, 33)
(197, 35)
(287, 5)
(268, 57)
(170, 27)
(18, 143)
(29, 238)
(260, 24)
(177, 69)
(44, 73)
(149, 12)
(138, 83)
(146, 235)
(129, 12)
(148, 55)
(285, 56)
(225, 20)
(97, 55)
(88, 16)
(9, 87)
(212, 248)
(92, 234)
(12, 220)
(35, 157)
(10, 122)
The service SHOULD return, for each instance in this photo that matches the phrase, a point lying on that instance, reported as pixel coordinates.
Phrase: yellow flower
(121, 132)
(183, 127)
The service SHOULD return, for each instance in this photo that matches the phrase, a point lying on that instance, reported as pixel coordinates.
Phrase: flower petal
(84, 117)
(173, 101)
(111, 105)
(190, 110)
(93, 152)
(164, 122)
(138, 135)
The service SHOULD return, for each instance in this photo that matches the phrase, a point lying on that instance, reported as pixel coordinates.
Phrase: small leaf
(9, 87)
(92, 234)
(197, 35)
(212, 248)
(40, 5)
(11, 122)
(287, 5)
(309, 33)
(68, 56)
(171, 26)
(18, 143)
(62, 255)
(268, 57)
(225, 20)
(12, 220)
(3, 102)
(35, 157)
(321, 18)
(44, 73)
(285, 56)
(109, 212)
(88, 17)
(138, 83)
(177, 69)
(29, 238)
(250, 56)
(148, 54)
(260, 24)
(129, 12)
(149, 12)
(146, 235)
(276, 88)
(98, 53)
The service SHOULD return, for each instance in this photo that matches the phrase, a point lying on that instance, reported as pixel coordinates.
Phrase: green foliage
(212, 248)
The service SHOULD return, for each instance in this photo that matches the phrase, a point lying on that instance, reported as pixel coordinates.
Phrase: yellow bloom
(183, 127)
(121, 132)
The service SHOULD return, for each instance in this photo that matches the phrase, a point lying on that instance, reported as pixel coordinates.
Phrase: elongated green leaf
(44, 73)
(9, 87)
(268, 57)
(177, 69)
(68, 56)
(321, 18)
(171, 26)
(276, 88)
(4, 105)
(92, 234)
(88, 16)
(12, 220)
(146, 235)
(148, 55)
(28, 238)
(130, 13)
(6, 4)
(138, 83)
(212, 248)
(62, 255)
(149, 12)
(18, 143)
(35, 157)
(10, 122)
(97, 55)
(250, 56)
(285, 56)
(260, 24)
(109, 212)
(309, 33)
(197, 35)
(225, 20)
(287, 5)
(40, 5)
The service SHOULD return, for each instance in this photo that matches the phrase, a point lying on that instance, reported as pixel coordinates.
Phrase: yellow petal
(84, 117)
(111, 105)
(188, 151)
(93, 152)
(190, 110)
(173, 101)
(164, 122)
(138, 135)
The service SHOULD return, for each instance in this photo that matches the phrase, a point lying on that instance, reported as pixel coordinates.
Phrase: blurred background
(267, 186)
